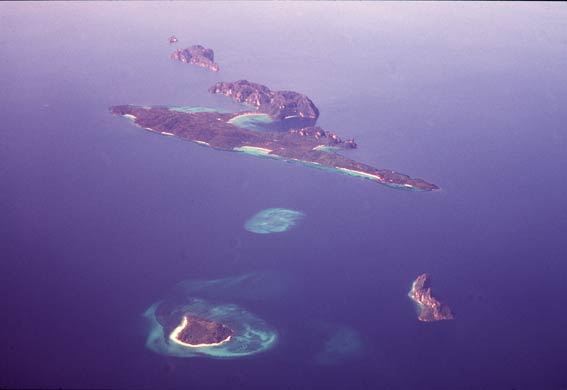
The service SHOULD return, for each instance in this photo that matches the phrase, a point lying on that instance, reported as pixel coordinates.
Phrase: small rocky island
(309, 145)
(430, 308)
(277, 104)
(196, 55)
(195, 332)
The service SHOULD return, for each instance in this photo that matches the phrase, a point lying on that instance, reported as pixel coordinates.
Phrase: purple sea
(101, 219)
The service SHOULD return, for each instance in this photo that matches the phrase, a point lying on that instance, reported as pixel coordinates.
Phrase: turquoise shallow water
(273, 220)
(255, 122)
(196, 109)
(251, 335)
(342, 344)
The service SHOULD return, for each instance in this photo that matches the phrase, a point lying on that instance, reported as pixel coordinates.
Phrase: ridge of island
(278, 105)
(310, 145)
(196, 55)
(430, 309)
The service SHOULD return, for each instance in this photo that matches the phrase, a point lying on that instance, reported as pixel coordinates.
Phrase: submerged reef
(430, 309)
(311, 146)
(196, 55)
(278, 104)
(342, 343)
(251, 287)
(273, 220)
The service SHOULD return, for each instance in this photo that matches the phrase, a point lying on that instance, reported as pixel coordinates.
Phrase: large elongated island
(310, 145)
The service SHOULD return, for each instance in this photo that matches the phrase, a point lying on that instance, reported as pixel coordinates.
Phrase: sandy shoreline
(246, 114)
(175, 333)
(253, 149)
(358, 173)
(265, 152)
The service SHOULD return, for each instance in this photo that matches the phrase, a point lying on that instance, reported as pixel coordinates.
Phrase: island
(278, 105)
(196, 55)
(311, 146)
(195, 332)
(184, 325)
(430, 309)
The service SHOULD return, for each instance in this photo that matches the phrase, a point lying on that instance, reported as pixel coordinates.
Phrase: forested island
(308, 145)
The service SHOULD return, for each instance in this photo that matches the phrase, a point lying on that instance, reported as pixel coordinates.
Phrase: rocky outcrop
(430, 308)
(278, 104)
(197, 55)
(326, 137)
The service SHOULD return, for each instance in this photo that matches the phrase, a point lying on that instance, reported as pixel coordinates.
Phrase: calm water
(101, 219)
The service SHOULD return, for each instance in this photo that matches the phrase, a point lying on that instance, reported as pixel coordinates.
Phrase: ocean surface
(101, 219)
